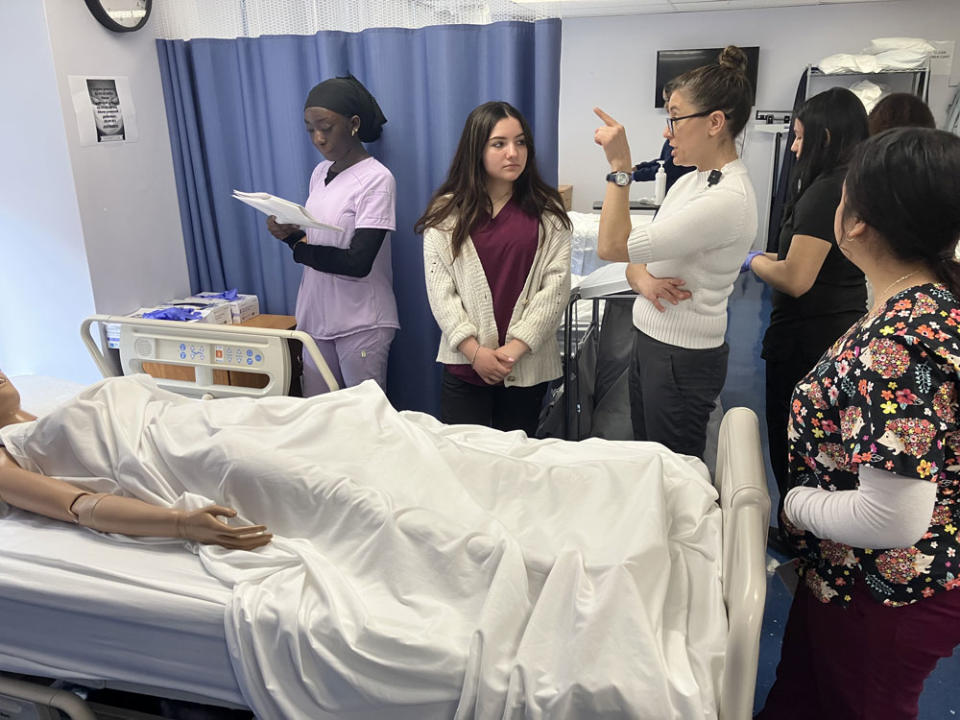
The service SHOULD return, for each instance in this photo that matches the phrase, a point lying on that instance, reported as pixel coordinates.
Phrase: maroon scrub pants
(863, 661)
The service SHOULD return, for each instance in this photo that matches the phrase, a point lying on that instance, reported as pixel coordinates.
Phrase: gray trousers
(673, 390)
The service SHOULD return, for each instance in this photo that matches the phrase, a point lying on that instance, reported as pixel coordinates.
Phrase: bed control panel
(237, 355)
(201, 358)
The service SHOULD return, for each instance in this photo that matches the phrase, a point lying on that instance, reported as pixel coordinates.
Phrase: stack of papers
(606, 280)
(287, 213)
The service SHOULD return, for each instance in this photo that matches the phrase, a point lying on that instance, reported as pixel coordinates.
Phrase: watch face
(621, 178)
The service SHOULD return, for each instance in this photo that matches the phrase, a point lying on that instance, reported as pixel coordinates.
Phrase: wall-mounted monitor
(672, 63)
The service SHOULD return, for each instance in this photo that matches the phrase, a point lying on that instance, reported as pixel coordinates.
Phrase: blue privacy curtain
(235, 111)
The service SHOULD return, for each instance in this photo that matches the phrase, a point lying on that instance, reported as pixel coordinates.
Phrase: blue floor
(749, 310)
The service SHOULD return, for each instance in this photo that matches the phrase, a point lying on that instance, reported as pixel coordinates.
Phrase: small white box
(214, 311)
(242, 307)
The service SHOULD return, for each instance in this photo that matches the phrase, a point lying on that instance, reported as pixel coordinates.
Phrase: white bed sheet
(454, 586)
(81, 606)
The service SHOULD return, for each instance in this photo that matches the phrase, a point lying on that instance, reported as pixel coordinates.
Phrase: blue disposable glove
(750, 256)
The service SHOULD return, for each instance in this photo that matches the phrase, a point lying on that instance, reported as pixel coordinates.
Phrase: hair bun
(733, 58)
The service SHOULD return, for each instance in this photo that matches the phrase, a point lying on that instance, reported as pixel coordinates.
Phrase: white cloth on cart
(420, 569)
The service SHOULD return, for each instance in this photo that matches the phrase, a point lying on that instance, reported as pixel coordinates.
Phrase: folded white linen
(421, 570)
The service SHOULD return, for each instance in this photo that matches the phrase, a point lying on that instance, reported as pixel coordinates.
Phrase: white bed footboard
(745, 502)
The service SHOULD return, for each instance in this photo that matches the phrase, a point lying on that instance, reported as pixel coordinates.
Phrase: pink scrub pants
(352, 359)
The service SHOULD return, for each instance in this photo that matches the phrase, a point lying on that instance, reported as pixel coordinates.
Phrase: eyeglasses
(672, 121)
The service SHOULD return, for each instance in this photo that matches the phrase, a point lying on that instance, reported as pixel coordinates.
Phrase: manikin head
(10, 410)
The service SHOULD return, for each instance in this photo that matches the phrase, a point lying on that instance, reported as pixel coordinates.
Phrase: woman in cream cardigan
(496, 246)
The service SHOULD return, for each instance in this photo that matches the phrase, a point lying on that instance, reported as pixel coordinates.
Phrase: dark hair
(464, 195)
(723, 86)
(834, 123)
(905, 184)
(900, 110)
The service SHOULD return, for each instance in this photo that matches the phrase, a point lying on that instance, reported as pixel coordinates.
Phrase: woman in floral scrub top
(874, 438)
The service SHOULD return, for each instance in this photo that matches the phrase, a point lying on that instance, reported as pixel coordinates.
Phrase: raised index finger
(607, 120)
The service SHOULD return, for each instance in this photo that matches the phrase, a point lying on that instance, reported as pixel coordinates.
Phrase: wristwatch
(621, 179)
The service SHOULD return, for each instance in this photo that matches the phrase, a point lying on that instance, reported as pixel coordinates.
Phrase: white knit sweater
(462, 304)
(702, 235)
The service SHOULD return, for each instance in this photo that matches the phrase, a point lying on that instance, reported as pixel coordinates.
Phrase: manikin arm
(112, 513)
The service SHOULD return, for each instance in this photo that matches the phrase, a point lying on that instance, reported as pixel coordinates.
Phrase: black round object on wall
(121, 15)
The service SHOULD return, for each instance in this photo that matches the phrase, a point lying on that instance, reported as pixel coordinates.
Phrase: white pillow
(879, 45)
(844, 62)
(902, 59)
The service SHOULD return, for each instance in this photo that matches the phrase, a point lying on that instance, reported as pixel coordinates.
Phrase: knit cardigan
(462, 304)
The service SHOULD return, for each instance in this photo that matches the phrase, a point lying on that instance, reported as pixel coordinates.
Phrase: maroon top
(506, 246)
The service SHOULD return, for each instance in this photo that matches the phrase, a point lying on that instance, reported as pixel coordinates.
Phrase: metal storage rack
(915, 81)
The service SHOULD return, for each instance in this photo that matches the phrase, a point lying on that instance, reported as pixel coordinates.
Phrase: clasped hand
(203, 526)
(493, 365)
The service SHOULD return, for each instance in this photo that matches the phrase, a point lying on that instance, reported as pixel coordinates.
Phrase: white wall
(126, 191)
(611, 62)
(82, 229)
(44, 278)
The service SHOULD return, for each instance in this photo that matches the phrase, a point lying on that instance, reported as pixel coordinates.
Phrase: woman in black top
(817, 293)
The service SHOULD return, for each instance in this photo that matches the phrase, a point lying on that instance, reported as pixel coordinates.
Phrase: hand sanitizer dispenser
(660, 184)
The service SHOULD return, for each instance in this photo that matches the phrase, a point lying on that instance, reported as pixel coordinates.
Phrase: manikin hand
(490, 367)
(613, 139)
(203, 526)
(130, 516)
(278, 230)
(654, 288)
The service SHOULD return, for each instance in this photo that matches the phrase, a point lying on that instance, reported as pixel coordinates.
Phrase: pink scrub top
(331, 306)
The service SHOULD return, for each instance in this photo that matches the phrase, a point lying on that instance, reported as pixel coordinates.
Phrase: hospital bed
(149, 619)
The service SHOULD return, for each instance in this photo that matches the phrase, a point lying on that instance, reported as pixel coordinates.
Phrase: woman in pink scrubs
(496, 249)
(346, 300)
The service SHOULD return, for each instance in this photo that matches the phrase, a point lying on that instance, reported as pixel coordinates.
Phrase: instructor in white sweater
(689, 255)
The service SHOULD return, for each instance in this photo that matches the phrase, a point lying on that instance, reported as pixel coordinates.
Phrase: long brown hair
(463, 195)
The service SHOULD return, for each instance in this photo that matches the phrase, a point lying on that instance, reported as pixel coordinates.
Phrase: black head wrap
(348, 97)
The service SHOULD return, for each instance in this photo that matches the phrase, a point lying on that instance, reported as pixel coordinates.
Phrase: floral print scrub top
(884, 395)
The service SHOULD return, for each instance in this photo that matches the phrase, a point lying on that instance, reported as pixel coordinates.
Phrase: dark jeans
(790, 363)
(866, 661)
(673, 390)
(782, 378)
(496, 406)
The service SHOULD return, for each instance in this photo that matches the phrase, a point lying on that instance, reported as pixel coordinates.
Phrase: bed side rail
(745, 502)
(207, 349)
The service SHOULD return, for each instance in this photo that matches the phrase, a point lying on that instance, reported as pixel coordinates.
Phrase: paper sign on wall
(941, 62)
(104, 109)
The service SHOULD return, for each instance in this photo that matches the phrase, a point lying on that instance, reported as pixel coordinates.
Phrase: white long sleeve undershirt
(887, 510)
